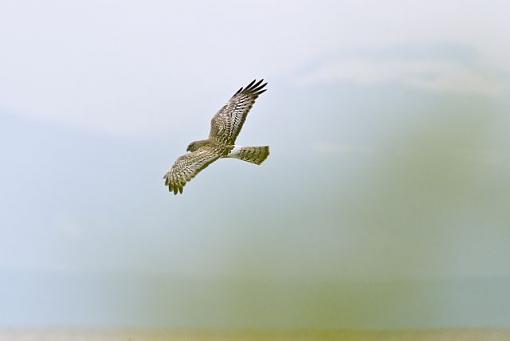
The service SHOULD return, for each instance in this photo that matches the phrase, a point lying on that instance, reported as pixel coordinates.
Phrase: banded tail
(255, 155)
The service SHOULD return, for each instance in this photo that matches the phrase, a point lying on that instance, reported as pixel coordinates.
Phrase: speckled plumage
(225, 127)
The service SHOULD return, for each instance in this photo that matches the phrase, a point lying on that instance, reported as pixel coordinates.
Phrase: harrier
(225, 126)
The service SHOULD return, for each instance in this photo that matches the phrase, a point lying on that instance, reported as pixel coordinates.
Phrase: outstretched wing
(187, 166)
(227, 123)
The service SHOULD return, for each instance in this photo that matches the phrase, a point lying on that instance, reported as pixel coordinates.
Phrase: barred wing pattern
(227, 123)
(189, 165)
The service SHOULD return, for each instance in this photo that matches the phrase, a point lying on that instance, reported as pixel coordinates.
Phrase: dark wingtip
(249, 85)
(175, 189)
(258, 83)
(254, 88)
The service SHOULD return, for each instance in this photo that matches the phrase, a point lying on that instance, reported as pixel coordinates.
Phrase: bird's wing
(187, 166)
(227, 123)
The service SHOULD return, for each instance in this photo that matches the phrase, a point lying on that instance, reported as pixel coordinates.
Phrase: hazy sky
(388, 126)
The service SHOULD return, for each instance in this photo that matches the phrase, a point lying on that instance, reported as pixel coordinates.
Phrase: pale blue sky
(388, 179)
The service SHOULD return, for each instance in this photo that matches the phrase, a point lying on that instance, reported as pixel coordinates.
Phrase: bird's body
(225, 127)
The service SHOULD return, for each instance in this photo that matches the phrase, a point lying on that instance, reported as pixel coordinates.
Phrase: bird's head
(196, 144)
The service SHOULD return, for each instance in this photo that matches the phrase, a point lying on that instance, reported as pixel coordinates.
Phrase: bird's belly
(224, 151)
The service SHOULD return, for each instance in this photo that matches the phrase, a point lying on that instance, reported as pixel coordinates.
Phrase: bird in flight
(225, 126)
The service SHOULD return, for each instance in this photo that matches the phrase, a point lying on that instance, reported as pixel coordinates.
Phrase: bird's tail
(255, 155)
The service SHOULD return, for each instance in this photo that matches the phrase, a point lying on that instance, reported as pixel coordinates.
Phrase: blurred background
(384, 203)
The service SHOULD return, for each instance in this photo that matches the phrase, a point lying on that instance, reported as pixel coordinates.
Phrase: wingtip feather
(249, 85)
(254, 88)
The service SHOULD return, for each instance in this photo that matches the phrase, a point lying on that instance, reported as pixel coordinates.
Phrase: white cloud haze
(131, 67)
